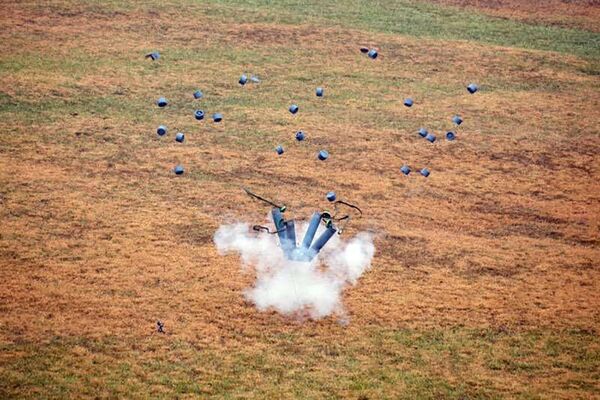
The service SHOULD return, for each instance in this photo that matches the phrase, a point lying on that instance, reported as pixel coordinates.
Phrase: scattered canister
(180, 137)
(425, 172)
(199, 114)
(331, 196)
(243, 80)
(293, 108)
(450, 135)
(300, 136)
(217, 117)
(319, 92)
(472, 88)
(408, 102)
(198, 94)
(405, 169)
(457, 120)
(178, 170)
(364, 49)
(430, 137)
(161, 102)
(323, 155)
(372, 54)
(423, 132)
(153, 56)
(162, 130)
(279, 149)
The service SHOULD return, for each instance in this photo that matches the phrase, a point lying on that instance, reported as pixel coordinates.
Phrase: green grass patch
(404, 364)
(418, 19)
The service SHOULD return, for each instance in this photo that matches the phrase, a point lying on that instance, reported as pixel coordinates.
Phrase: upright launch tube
(312, 229)
(290, 237)
(279, 224)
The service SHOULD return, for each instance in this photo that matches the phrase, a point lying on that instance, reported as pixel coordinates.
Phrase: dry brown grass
(98, 239)
(568, 13)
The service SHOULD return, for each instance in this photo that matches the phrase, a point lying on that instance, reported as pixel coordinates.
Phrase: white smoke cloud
(310, 289)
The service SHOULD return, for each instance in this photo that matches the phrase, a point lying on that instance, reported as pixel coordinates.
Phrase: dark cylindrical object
(162, 130)
(331, 196)
(425, 172)
(405, 169)
(450, 135)
(153, 56)
(323, 239)
(217, 117)
(162, 102)
(180, 137)
(243, 80)
(279, 224)
(293, 108)
(408, 102)
(423, 132)
(178, 170)
(300, 136)
(312, 229)
(290, 235)
(364, 49)
(319, 92)
(323, 155)
(457, 120)
(372, 54)
(198, 94)
(199, 115)
(430, 137)
(279, 149)
(472, 88)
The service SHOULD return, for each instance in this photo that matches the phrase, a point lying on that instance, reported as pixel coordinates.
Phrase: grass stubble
(485, 280)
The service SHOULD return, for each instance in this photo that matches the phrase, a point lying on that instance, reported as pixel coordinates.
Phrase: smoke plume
(310, 289)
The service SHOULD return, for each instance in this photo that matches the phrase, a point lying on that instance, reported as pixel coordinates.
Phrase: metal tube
(312, 229)
(290, 235)
(323, 239)
(279, 224)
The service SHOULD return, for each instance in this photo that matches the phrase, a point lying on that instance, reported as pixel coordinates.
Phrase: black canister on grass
(323, 155)
(153, 56)
(430, 137)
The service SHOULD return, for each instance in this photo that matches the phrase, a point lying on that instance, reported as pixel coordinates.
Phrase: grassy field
(486, 278)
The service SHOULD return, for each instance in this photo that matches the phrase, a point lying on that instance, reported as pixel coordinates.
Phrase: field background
(486, 280)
